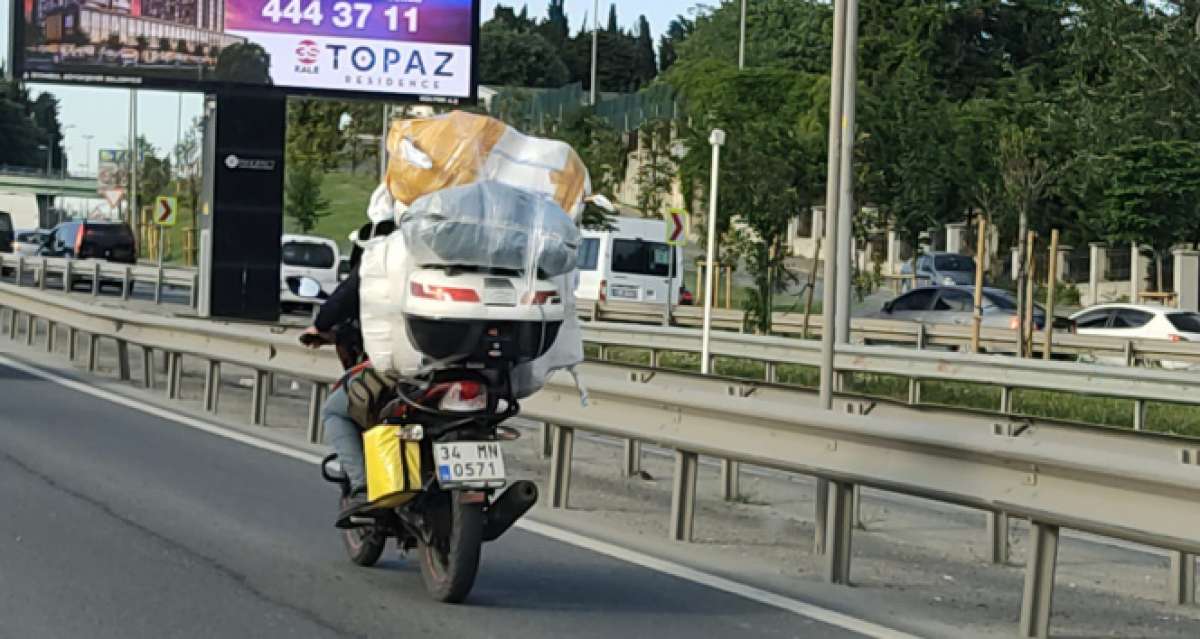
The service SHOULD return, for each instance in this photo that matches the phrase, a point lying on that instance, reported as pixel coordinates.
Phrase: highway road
(120, 523)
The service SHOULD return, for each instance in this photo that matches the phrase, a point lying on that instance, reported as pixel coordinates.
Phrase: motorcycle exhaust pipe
(510, 506)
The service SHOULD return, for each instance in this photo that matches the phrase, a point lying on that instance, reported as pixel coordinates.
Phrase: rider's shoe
(352, 504)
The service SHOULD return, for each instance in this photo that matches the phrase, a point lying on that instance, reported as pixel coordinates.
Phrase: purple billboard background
(441, 21)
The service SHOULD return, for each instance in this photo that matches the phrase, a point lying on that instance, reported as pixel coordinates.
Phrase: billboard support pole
(133, 158)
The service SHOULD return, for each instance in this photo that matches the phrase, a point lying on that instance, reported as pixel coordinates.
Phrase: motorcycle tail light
(444, 293)
(542, 298)
(464, 397)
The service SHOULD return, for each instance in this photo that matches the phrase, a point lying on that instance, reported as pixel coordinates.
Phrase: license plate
(469, 464)
(499, 292)
(623, 292)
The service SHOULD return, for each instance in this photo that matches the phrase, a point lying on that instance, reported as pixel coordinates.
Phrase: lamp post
(717, 140)
(595, 45)
(742, 40)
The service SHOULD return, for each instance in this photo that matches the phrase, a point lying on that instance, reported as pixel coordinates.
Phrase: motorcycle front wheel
(450, 561)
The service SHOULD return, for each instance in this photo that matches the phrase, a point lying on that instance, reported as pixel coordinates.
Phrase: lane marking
(728, 586)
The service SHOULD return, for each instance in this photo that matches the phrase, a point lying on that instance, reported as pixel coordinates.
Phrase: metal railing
(1054, 476)
(96, 272)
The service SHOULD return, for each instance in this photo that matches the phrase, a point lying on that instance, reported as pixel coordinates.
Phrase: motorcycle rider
(338, 323)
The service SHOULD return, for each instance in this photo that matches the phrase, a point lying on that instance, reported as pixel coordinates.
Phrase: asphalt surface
(120, 524)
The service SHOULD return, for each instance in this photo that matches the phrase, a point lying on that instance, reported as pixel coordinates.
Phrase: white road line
(795, 606)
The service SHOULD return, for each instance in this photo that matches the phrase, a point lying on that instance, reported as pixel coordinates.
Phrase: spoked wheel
(450, 561)
(364, 544)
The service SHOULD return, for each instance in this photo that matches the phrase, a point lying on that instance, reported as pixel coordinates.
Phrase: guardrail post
(258, 399)
(95, 279)
(316, 400)
(20, 270)
(856, 509)
(66, 278)
(1139, 414)
(654, 358)
(93, 351)
(51, 335)
(174, 374)
(72, 343)
(158, 283)
(1006, 400)
(127, 283)
(731, 475)
(1037, 600)
(841, 516)
(212, 387)
(683, 496)
(1182, 581)
(602, 354)
(43, 276)
(546, 434)
(29, 329)
(193, 298)
(123, 360)
(1130, 354)
(997, 531)
(820, 513)
(147, 367)
(560, 465)
(632, 457)
(12, 324)
(771, 374)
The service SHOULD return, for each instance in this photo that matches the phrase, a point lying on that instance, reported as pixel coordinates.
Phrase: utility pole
(832, 192)
(846, 204)
(133, 158)
(742, 40)
(595, 45)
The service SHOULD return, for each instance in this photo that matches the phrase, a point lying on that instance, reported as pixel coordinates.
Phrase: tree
(154, 173)
(656, 173)
(247, 62)
(1152, 194)
(613, 27)
(645, 65)
(314, 131)
(514, 57)
(302, 194)
(678, 31)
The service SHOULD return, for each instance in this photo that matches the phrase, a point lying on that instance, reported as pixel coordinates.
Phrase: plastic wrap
(430, 154)
(494, 225)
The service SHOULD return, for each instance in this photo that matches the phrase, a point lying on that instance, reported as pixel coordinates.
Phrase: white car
(630, 263)
(1140, 321)
(308, 256)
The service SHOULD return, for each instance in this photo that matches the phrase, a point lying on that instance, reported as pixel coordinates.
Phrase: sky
(103, 114)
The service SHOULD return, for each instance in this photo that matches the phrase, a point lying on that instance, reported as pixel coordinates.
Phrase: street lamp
(717, 140)
(742, 39)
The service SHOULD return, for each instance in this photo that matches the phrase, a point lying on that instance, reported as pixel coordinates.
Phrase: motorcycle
(444, 434)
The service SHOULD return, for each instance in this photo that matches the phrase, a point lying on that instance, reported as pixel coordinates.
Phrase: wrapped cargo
(426, 155)
(479, 275)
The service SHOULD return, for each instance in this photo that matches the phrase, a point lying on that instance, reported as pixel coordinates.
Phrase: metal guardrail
(1140, 385)
(96, 272)
(1111, 483)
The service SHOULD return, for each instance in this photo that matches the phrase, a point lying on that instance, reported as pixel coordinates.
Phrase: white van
(307, 256)
(629, 264)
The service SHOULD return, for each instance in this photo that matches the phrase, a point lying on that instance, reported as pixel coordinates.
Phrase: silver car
(941, 269)
(955, 305)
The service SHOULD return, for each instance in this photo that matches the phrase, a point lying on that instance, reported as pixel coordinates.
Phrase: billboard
(423, 49)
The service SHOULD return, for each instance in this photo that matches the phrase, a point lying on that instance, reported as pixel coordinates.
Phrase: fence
(96, 272)
(1056, 478)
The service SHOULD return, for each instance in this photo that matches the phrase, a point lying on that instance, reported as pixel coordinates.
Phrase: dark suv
(82, 239)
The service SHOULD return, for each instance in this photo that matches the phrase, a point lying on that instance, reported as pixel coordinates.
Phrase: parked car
(6, 232)
(941, 269)
(955, 305)
(30, 243)
(1139, 321)
(307, 256)
(87, 239)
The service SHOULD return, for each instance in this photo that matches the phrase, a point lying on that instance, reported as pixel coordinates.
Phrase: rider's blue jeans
(344, 436)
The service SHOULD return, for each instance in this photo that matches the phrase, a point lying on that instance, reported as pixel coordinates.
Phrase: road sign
(677, 227)
(112, 169)
(165, 209)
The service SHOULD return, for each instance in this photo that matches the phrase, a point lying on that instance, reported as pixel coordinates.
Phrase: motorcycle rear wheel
(363, 545)
(450, 562)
